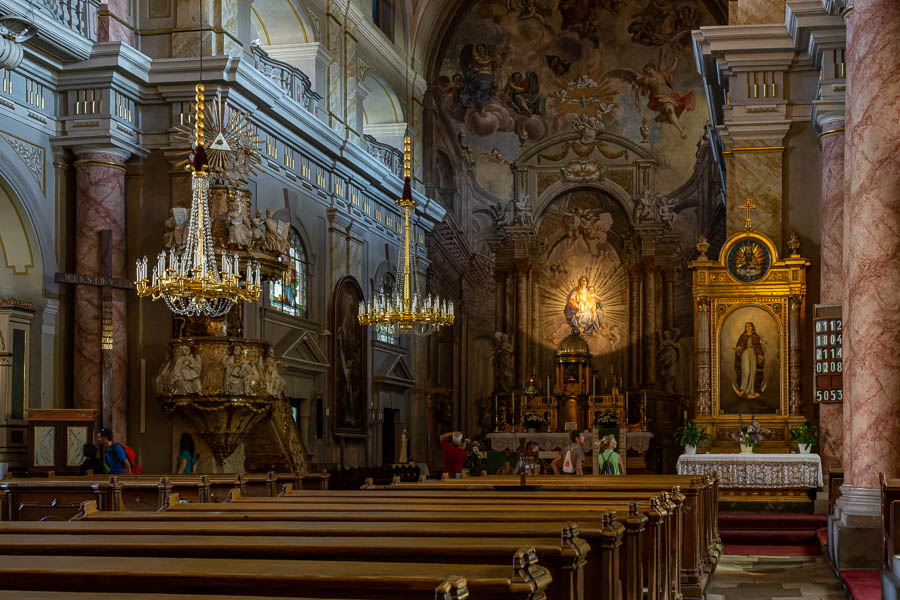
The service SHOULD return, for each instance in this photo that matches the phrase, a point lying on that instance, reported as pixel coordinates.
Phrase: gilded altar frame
(748, 276)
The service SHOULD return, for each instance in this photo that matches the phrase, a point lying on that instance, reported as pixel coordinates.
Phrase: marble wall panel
(756, 175)
(755, 12)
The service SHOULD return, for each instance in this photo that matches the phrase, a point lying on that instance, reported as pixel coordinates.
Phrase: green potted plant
(690, 436)
(805, 437)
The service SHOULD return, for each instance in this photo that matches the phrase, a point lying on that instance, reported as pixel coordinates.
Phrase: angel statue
(667, 357)
(503, 363)
(657, 84)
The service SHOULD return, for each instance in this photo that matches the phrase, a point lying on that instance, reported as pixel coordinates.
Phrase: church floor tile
(771, 577)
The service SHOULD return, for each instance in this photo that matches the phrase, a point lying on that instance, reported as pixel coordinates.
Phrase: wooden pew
(603, 534)
(702, 547)
(328, 579)
(890, 519)
(60, 497)
(563, 556)
(666, 542)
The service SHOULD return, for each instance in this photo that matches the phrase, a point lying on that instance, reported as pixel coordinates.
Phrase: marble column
(535, 307)
(668, 295)
(831, 220)
(500, 306)
(634, 328)
(113, 22)
(521, 327)
(871, 242)
(649, 324)
(100, 205)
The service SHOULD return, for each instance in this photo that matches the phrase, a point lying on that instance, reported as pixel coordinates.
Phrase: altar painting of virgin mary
(584, 310)
(749, 362)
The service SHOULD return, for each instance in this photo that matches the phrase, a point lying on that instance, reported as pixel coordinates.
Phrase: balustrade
(289, 78)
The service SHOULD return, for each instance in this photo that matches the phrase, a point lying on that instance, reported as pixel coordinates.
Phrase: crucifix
(748, 206)
(106, 282)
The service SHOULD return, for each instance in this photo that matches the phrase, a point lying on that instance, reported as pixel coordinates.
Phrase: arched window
(386, 289)
(288, 294)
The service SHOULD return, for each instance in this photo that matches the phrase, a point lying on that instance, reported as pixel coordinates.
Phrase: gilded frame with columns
(776, 289)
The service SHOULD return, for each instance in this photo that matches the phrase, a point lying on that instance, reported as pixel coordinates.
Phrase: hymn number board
(829, 363)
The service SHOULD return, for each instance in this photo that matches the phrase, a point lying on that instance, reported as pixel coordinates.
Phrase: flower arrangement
(535, 420)
(804, 436)
(608, 418)
(474, 456)
(691, 435)
(749, 435)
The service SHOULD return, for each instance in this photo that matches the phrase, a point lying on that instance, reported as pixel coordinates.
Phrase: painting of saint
(348, 362)
(749, 362)
(584, 310)
(477, 87)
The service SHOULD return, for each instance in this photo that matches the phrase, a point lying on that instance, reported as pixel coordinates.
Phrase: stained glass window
(386, 289)
(288, 294)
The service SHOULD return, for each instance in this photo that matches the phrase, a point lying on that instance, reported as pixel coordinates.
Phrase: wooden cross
(748, 206)
(106, 282)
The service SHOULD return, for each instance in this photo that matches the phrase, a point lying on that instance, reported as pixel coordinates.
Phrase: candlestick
(496, 415)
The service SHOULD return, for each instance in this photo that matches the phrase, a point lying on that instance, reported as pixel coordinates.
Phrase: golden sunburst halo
(232, 146)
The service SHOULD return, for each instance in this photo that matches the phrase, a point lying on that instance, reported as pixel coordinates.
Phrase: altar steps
(769, 529)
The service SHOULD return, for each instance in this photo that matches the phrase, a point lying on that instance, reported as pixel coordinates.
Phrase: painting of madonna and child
(750, 356)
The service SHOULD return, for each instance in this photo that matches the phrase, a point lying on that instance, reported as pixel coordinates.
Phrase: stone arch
(24, 206)
(382, 104)
(279, 22)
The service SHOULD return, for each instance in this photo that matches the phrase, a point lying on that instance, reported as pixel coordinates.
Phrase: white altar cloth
(756, 470)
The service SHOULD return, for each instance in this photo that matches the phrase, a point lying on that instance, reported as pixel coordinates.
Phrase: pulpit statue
(184, 376)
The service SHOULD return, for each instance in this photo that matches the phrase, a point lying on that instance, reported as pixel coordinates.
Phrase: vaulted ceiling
(433, 19)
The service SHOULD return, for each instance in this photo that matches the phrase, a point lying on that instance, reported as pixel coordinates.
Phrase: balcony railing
(289, 78)
(77, 15)
(386, 155)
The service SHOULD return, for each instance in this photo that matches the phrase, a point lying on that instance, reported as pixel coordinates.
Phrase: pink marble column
(100, 205)
(831, 216)
(872, 241)
(112, 19)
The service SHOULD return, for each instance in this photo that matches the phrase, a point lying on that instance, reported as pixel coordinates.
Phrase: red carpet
(743, 550)
(770, 534)
(862, 585)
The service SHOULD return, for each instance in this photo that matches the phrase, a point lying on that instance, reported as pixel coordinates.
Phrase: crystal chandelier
(405, 310)
(193, 283)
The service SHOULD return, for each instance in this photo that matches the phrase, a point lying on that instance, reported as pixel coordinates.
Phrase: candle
(496, 416)
(594, 387)
(548, 386)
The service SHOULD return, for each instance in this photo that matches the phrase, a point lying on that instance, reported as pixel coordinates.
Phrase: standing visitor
(187, 457)
(453, 447)
(571, 459)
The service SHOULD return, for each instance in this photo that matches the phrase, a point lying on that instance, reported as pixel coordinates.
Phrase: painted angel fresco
(664, 22)
(523, 92)
(656, 82)
(585, 17)
(477, 87)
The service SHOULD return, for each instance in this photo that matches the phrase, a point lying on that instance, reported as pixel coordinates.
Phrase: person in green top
(187, 457)
(607, 457)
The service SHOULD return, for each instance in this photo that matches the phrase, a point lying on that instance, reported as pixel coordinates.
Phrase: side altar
(749, 305)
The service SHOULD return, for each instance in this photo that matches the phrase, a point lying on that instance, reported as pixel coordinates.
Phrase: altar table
(787, 477)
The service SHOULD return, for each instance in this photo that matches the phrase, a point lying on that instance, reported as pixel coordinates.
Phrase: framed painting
(750, 340)
(348, 361)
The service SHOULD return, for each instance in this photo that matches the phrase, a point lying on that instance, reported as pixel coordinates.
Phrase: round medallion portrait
(748, 260)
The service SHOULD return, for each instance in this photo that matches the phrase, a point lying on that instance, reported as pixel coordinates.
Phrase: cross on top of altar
(748, 206)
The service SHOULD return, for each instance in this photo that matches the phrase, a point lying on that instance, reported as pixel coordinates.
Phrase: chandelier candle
(192, 284)
(406, 311)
